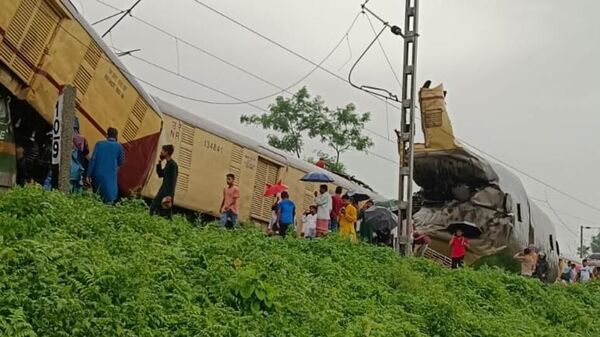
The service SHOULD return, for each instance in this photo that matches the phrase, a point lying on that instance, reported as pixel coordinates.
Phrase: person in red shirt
(321, 163)
(421, 242)
(458, 248)
(337, 205)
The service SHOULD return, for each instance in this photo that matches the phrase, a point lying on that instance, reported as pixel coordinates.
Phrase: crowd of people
(536, 265)
(327, 214)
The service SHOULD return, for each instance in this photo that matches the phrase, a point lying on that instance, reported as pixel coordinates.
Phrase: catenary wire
(199, 100)
(396, 107)
(179, 95)
(281, 89)
(385, 53)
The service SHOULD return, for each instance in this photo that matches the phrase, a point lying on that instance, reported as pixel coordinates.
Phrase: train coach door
(266, 173)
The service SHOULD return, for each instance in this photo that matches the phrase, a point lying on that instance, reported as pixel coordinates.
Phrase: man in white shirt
(585, 273)
(324, 206)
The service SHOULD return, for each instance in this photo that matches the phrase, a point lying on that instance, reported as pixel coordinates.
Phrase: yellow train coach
(46, 44)
(206, 151)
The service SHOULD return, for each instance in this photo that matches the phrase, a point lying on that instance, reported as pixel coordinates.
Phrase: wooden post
(62, 140)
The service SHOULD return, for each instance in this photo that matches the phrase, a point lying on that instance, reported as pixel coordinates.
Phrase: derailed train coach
(44, 45)
(459, 185)
(205, 151)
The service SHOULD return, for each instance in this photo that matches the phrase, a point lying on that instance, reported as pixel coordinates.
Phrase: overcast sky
(522, 76)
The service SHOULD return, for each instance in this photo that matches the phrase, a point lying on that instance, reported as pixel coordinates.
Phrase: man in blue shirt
(108, 156)
(286, 213)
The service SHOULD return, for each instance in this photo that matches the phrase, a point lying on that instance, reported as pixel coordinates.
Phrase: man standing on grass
(229, 205)
(163, 202)
(458, 248)
(108, 156)
(527, 260)
(324, 205)
(336, 206)
(286, 213)
(585, 273)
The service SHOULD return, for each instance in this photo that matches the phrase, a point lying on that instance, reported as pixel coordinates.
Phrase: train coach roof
(265, 150)
(110, 54)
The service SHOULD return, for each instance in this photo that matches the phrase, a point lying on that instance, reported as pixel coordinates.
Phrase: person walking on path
(527, 261)
(458, 249)
(78, 153)
(163, 201)
(348, 217)
(107, 157)
(229, 205)
(324, 206)
(336, 207)
(286, 213)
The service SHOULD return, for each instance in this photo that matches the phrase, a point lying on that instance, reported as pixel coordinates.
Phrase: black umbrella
(358, 197)
(470, 230)
(379, 218)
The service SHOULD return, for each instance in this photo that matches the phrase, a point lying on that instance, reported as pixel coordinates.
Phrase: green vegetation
(300, 115)
(70, 266)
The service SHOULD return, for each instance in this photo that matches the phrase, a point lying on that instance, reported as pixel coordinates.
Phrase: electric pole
(406, 135)
(581, 242)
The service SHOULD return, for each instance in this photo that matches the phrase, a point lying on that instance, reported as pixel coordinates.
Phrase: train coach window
(519, 213)
(551, 243)
(557, 249)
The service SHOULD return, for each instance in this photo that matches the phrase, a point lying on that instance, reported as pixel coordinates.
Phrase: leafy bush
(70, 266)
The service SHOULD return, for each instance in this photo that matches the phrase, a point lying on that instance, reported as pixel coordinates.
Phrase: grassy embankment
(70, 266)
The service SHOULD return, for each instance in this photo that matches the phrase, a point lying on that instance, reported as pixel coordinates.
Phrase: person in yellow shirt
(347, 220)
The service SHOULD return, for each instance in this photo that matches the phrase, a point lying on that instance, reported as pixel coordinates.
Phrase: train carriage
(46, 44)
(206, 151)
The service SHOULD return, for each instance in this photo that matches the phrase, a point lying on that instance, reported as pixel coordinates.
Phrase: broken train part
(459, 185)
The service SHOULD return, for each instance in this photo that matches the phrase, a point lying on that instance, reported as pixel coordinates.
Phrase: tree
(596, 244)
(586, 250)
(292, 118)
(342, 129)
(300, 115)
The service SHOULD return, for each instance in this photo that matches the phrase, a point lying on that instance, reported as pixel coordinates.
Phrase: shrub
(70, 266)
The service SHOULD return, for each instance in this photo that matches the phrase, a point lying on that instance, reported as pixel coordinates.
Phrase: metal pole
(66, 138)
(581, 242)
(407, 130)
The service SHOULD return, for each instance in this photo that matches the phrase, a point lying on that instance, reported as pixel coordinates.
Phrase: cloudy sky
(522, 76)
